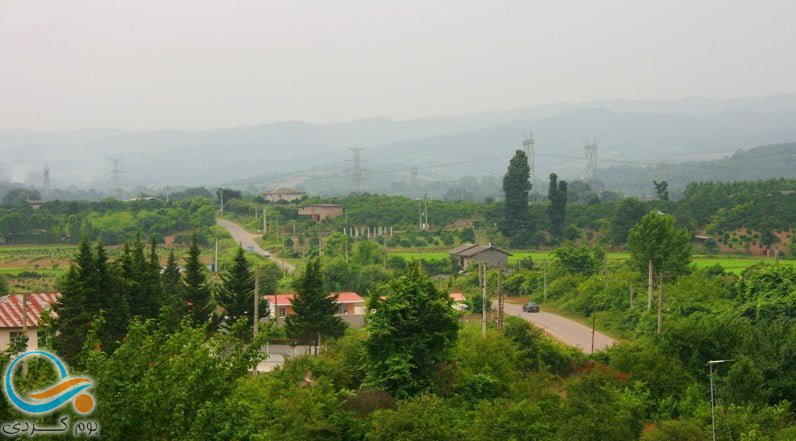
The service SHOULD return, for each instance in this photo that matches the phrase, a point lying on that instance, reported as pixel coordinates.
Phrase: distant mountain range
(641, 133)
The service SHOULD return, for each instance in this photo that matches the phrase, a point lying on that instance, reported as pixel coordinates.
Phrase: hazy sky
(141, 64)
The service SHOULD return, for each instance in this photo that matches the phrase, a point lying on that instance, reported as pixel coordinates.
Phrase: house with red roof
(351, 307)
(18, 311)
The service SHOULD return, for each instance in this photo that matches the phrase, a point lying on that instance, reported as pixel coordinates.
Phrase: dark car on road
(530, 307)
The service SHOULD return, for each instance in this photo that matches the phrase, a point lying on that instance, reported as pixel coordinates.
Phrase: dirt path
(246, 240)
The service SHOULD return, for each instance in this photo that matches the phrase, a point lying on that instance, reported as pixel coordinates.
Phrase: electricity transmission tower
(591, 161)
(357, 172)
(528, 144)
(414, 184)
(116, 175)
(45, 184)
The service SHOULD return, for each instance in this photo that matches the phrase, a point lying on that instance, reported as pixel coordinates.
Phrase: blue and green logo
(66, 390)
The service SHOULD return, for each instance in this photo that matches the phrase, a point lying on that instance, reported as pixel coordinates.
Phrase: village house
(283, 194)
(459, 302)
(351, 308)
(470, 253)
(319, 212)
(11, 317)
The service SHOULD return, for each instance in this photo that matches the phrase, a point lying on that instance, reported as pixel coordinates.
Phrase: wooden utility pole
(265, 224)
(483, 300)
(544, 293)
(215, 261)
(256, 301)
(649, 285)
(660, 303)
(500, 299)
(25, 331)
(631, 295)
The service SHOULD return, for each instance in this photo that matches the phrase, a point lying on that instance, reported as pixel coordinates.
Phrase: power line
(116, 175)
(529, 144)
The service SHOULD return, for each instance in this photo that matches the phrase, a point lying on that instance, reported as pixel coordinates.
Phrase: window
(342, 309)
(281, 311)
(17, 337)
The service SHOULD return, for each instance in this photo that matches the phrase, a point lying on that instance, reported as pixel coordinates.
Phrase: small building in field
(351, 308)
(459, 302)
(319, 212)
(283, 194)
(11, 317)
(468, 254)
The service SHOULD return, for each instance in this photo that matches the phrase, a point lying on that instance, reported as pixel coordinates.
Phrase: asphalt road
(563, 329)
(246, 240)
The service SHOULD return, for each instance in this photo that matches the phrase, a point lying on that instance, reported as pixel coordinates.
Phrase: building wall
(5, 338)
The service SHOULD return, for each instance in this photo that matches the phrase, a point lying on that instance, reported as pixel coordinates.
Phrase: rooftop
(470, 250)
(11, 308)
(287, 299)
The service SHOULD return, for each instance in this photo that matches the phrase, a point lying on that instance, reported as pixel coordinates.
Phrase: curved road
(246, 240)
(563, 329)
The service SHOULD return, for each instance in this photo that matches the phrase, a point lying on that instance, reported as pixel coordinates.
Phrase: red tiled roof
(456, 296)
(287, 299)
(11, 308)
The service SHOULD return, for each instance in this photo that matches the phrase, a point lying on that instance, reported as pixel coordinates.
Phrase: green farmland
(734, 263)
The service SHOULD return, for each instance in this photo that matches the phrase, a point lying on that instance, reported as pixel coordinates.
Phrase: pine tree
(196, 290)
(112, 301)
(516, 222)
(72, 315)
(171, 281)
(237, 292)
(314, 308)
(557, 194)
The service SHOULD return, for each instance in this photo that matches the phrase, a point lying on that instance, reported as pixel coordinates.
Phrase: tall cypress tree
(196, 290)
(171, 281)
(557, 194)
(516, 221)
(314, 308)
(237, 292)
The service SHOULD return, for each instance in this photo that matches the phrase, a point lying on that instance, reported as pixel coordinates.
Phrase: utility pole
(221, 194)
(46, 182)
(215, 262)
(500, 299)
(649, 285)
(544, 293)
(483, 300)
(256, 326)
(425, 210)
(265, 224)
(25, 331)
(712, 399)
(631, 295)
(660, 303)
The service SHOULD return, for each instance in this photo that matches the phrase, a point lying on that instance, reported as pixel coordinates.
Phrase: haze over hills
(628, 132)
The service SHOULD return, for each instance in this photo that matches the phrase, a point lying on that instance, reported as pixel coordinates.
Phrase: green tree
(656, 238)
(556, 211)
(626, 214)
(196, 290)
(140, 381)
(411, 335)
(3, 285)
(173, 295)
(423, 418)
(516, 222)
(270, 275)
(579, 259)
(237, 293)
(314, 308)
(661, 190)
